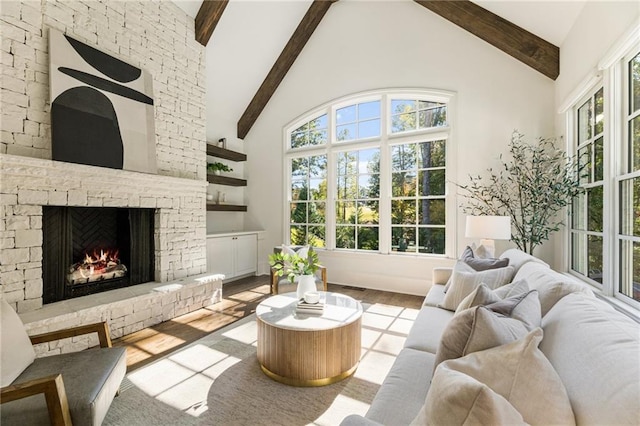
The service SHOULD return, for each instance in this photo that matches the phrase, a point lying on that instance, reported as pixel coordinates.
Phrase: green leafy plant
(293, 265)
(532, 188)
(218, 167)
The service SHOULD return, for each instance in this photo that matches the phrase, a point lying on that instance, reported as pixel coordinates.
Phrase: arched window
(368, 173)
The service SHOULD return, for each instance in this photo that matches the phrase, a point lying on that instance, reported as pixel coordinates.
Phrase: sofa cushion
(596, 352)
(455, 398)
(522, 375)
(434, 296)
(477, 329)
(517, 258)
(465, 279)
(405, 386)
(17, 352)
(91, 379)
(427, 329)
(551, 285)
(482, 264)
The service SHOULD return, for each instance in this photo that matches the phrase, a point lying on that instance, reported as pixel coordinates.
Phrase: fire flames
(100, 265)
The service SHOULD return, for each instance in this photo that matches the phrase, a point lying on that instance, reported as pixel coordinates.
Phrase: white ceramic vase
(305, 283)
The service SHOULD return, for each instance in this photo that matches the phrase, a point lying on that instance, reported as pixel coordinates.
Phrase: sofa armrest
(54, 393)
(441, 275)
(102, 328)
(356, 420)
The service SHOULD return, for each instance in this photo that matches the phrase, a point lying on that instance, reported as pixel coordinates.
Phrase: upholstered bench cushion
(91, 379)
(405, 386)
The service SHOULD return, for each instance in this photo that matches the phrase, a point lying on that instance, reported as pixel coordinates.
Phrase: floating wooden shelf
(227, 154)
(225, 208)
(226, 180)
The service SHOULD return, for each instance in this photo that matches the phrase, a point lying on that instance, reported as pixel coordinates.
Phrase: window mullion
(384, 205)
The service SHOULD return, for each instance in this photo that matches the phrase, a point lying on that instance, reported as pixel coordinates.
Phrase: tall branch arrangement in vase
(532, 186)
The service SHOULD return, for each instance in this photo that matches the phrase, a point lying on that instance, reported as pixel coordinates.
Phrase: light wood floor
(240, 300)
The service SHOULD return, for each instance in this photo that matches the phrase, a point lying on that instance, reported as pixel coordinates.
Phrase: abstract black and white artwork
(101, 108)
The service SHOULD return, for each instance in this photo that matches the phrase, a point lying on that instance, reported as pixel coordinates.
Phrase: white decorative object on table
(306, 284)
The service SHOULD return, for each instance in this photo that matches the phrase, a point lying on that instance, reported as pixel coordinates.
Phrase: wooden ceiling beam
(517, 42)
(207, 18)
(279, 70)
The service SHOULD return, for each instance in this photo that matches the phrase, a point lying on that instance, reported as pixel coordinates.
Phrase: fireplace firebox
(89, 250)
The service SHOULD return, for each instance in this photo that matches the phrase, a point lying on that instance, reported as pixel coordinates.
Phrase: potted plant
(297, 267)
(532, 188)
(217, 167)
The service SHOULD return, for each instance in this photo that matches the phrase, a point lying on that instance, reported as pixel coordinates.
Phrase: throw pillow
(481, 296)
(481, 328)
(17, 352)
(455, 398)
(512, 289)
(291, 250)
(520, 373)
(480, 264)
(465, 279)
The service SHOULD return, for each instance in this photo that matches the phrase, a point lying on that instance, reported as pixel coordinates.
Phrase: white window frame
(613, 77)
(385, 140)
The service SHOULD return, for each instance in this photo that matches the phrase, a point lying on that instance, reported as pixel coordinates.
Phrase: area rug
(217, 380)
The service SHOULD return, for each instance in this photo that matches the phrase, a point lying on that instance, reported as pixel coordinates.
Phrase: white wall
(595, 31)
(367, 45)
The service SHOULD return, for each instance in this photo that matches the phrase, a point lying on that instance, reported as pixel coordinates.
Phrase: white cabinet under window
(233, 255)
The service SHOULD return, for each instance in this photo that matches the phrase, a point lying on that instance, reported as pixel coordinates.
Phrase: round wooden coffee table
(306, 349)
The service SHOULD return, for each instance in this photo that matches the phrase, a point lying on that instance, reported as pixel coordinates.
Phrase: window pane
(584, 122)
(319, 123)
(431, 182)
(431, 212)
(402, 105)
(432, 154)
(345, 212)
(594, 209)
(584, 163)
(598, 153)
(432, 118)
(298, 139)
(316, 236)
(369, 186)
(368, 212)
(630, 207)
(368, 129)
(403, 239)
(595, 258)
(298, 190)
(403, 212)
(298, 235)
(367, 238)
(427, 104)
(302, 129)
(579, 248)
(403, 157)
(578, 217)
(298, 212)
(347, 189)
(634, 144)
(346, 237)
(599, 112)
(403, 122)
(630, 269)
(403, 184)
(317, 166)
(317, 213)
(317, 137)
(431, 240)
(347, 162)
(346, 115)
(634, 84)
(346, 132)
(369, 110)
(299, 167)
(318, 189)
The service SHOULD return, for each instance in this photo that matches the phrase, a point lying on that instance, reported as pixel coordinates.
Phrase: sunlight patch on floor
(389, 344)
(341, 407)
(246, 333)
(381, 322)
(374, 367)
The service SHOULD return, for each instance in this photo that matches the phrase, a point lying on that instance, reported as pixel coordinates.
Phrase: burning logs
(97, 267)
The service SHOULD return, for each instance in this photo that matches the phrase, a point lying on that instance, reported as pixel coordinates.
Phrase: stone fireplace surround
(181, 285)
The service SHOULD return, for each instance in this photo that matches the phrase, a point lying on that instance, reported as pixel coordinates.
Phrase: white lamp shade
(489, 227)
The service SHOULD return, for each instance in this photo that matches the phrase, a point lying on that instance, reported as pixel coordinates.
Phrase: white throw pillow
(464, 279)
(520, 373)
(17, 352)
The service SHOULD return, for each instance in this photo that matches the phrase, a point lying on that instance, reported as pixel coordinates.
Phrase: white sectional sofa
(594, 349)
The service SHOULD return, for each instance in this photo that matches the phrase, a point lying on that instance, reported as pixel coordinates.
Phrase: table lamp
(488, 229)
